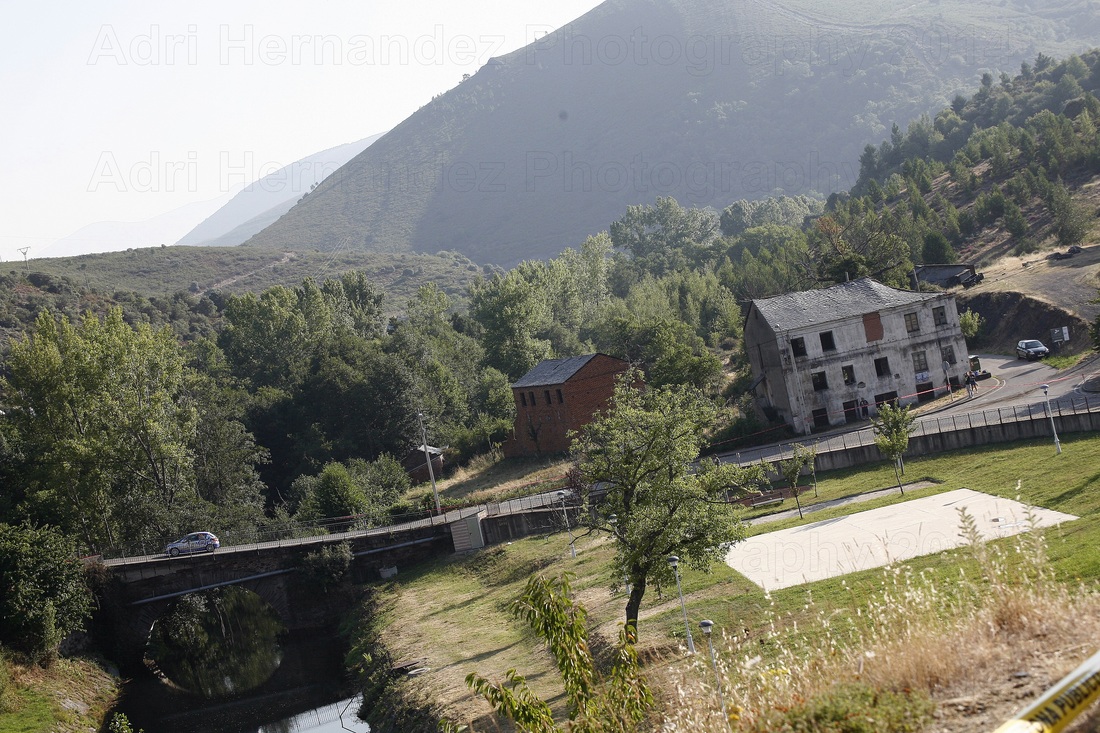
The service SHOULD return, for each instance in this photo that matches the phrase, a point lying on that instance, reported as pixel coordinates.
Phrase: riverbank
(72, 695)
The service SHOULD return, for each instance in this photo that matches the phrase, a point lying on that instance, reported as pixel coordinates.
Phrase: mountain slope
(264, 201)
(114, 236)
(703, 100)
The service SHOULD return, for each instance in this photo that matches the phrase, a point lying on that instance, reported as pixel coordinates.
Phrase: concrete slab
(877, 537)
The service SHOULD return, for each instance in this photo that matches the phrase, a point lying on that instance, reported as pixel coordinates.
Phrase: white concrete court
(877, 537)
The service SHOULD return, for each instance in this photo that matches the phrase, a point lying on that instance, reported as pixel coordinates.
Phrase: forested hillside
(703, 101)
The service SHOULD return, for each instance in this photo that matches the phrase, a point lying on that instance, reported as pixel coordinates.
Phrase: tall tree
(511, 311)
(640, 452)
(665, 236)
(106, 427)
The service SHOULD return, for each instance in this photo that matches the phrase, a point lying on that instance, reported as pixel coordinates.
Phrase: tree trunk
(634, 602)
(898, 476)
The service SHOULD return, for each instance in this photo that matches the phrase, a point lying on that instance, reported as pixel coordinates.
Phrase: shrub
(854, 708)
(328, 566)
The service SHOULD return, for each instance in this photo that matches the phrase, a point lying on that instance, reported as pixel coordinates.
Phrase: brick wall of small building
(586, 393)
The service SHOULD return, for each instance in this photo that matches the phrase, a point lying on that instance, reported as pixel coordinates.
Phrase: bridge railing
(290, 530)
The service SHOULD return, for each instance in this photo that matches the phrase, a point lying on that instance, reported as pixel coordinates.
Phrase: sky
(125, 110)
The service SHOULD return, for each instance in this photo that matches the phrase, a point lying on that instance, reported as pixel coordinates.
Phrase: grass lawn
(454, 611)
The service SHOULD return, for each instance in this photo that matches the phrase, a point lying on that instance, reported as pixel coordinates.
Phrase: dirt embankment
(1010, 317)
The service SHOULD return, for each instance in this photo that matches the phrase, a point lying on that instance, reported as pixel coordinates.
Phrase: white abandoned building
(825, 357)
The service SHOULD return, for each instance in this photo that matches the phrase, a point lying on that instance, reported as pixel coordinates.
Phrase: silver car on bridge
(194, 542)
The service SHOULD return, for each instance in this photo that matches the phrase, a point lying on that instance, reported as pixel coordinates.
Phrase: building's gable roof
(839, 302)
(554, 371)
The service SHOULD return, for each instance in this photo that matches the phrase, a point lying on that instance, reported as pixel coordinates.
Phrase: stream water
(244, 676)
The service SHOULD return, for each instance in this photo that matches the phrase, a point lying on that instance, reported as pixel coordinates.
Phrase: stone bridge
(144, 588)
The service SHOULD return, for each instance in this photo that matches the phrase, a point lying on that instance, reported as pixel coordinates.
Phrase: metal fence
(864, 437)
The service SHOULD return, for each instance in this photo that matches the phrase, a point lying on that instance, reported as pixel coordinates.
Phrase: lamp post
(428, 459)
(706, 625)
(565, 514)
(675, 563)
(1050, 414)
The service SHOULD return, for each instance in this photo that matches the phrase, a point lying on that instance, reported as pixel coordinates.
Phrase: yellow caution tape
(1059, 705)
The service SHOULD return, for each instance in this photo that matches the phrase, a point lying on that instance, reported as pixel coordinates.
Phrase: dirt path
(287, 256)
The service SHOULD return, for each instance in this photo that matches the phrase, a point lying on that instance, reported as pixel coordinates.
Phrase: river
(297, 681)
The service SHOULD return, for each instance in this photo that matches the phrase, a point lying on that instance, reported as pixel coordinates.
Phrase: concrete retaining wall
(964, 437)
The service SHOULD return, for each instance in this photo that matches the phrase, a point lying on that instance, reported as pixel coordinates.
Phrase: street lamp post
(428, 460)
(565, 514)
(1050, 414)
(675, 563)
(706, 625)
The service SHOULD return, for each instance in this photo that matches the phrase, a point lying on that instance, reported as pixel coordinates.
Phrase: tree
(892, 427)
(656, 502)
(618, 701)
(665, 236)
(937, 250)
(665, 348)
(970, 323)
(791, 469)
(106, 426)
(45, 597)
(854, 243)
(333, 493)
(511, 311)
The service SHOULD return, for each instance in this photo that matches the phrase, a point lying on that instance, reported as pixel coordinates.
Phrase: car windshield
(1032, 345)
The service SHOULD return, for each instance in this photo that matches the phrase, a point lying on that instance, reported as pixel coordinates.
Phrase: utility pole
(428, 460)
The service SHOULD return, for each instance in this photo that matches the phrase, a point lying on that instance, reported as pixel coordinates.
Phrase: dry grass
(491, 477)
(72, 695)
(977, 648)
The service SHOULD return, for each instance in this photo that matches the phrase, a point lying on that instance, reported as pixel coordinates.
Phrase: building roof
(553, 371)
(839, 302)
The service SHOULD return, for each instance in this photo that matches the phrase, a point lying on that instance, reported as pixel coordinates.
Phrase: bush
(45, 596)
(5, 686)
(856, 708)
(328, 566)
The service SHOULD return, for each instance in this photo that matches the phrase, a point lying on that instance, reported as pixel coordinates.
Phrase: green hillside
(704, 101)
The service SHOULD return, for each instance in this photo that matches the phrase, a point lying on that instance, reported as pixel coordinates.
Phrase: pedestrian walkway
(842, 501)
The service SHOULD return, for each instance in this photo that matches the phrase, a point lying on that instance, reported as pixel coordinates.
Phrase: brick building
(557, 396)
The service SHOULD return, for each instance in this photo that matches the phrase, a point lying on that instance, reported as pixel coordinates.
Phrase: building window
(912, 323)
(560, 398)
(819, 381)
(546, 393)
(849, 373)
(798, 346)
(821, 418)
(523, 399)
(920, 362)
(827, 343)
(882, 366)
(531, 396)
(948, 353)
(939, 316)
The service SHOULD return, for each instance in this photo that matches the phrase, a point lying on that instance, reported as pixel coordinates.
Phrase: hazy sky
(120, 111)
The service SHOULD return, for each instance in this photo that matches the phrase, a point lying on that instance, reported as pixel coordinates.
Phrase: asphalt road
(1014, 383)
